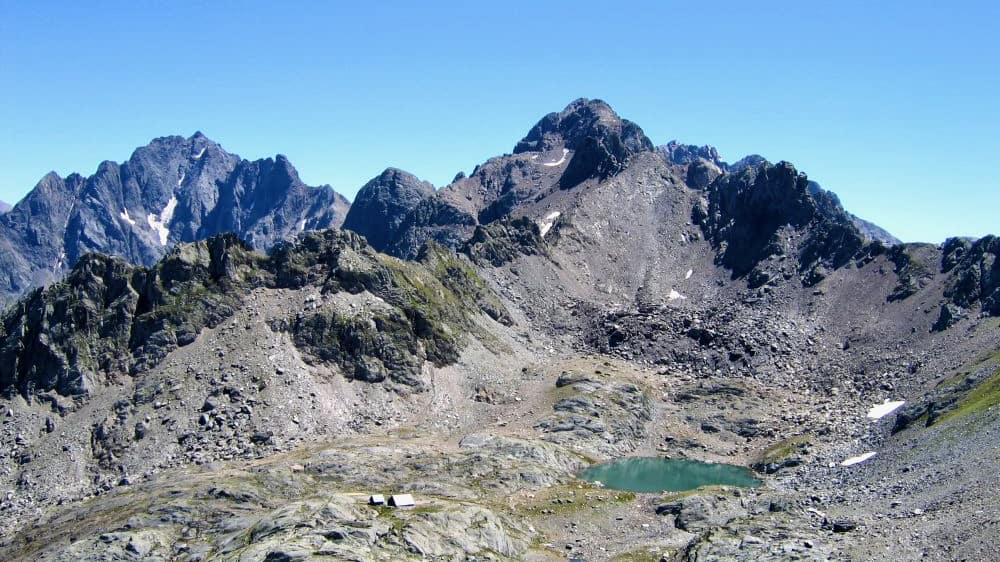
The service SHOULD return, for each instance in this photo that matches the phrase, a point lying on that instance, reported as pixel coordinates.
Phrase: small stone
(843, 526)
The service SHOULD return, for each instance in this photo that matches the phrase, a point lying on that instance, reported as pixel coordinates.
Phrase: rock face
(504, 241)
(382, 205)
(975, 272)
(108, 318)
(434, 219)
(173, 190)
(751, 214)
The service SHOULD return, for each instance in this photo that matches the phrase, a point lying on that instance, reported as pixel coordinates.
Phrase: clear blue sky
(894, 106)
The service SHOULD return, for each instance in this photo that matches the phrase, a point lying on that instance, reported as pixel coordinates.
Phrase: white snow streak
(858, 459)
(558, 162)
(126, 218)
(674, 295)
(200, 154)
(160, 223)
(302, 225)
(550, 220)
(879, 411)
(689, 274)
(180, 180)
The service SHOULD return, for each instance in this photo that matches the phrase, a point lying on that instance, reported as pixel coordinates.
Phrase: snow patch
(126, 218)
(558, 162)
(550, 220)
(180, 180)
(689, 274)
(159, 223)
(302, 225)
(879, 411)
(674, 295)
(858, 459)
(200, 154)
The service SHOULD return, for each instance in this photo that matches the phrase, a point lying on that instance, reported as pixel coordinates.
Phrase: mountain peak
(4, 207)
(582, 119)
(398, 176)
(602, 142)
(749, 161)
(381, 205)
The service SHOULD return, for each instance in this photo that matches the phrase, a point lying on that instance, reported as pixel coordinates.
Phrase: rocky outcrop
(598, 415)
(974, 273)
(702, 163)
(912, 272)
(108, 319)
(381, 206)
(173, 190)
(678, 153)
(422, 315)
(972, 389)
(768, 211)
(504, 241)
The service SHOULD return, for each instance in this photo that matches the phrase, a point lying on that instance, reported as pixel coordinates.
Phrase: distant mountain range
(4, 207)
(186, 189)
(173, 190)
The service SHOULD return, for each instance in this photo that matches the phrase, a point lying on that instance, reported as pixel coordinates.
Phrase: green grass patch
(624, 497)
(648, 554)
(783, 449)
(981, 398)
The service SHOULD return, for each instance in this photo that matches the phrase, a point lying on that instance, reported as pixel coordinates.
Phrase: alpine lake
(654, 474)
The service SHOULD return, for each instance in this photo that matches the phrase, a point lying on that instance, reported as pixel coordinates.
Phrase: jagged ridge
(173, 190)
(108, 319)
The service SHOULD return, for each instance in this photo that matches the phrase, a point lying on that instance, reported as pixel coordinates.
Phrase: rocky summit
(173, 190)
(431, 380)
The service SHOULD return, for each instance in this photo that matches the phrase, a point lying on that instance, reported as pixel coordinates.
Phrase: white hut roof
(401, 500)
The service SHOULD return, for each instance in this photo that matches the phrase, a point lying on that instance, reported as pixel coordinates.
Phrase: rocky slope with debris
(173, 190)
(224, 404)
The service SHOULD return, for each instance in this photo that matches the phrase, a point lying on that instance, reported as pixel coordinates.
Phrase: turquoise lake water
(648, 474)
